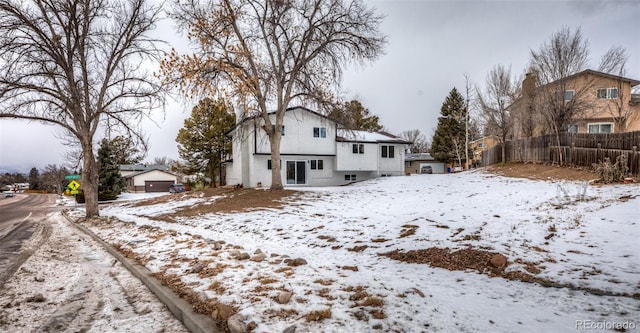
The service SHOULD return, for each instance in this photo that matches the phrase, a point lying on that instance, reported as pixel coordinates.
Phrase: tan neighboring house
(605, 104)
(147, 178)
(480, 145)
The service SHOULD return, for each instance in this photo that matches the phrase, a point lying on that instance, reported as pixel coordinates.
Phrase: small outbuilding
(414, 163)
(151, 178)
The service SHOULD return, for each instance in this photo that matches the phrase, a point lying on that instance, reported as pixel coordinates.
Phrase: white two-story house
(313, 151)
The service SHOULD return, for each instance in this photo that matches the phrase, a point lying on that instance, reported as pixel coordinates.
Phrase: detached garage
(157, 185)
(414, 162)
(153, 180)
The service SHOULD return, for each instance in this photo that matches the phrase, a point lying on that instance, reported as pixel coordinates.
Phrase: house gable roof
(274, 112)
(419, 157)
(372, 137)
(135, 174)
(632, 82)
(142, 167)
(605, 75)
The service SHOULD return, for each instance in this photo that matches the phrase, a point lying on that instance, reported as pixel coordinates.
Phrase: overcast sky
(432, 45)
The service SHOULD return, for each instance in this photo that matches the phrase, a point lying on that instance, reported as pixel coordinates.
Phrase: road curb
(181, 309)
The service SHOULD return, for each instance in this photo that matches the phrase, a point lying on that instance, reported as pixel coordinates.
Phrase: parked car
(176, 188)
(426, 169)
(8, 194)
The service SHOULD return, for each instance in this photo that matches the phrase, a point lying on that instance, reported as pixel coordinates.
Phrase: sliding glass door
(296, 172)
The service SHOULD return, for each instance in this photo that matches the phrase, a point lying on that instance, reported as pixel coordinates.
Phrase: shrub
(610, 173)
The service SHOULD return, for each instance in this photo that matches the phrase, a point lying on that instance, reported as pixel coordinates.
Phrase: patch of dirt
(459, 260)
(230, 200)
(480, 261)
(541, 171)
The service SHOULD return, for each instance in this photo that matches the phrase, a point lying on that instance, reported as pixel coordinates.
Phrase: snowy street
(71, 284)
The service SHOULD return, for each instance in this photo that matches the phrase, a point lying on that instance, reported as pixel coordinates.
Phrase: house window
(388, 151)
(568, 95)
(319, 132)
(273, 128)
(482, 145)
(607, 93)
(573, 128)
(350, 178)
(317, 165)
(601, 128)
(268, 164)
(358, 148)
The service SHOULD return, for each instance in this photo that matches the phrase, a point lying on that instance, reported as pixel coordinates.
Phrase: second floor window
(568, 95)
(358, 148)
(607, 93)
(273, 128)
(319, 132)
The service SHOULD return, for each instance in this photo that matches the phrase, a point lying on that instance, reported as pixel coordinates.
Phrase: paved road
(18, 220)
(54, 278)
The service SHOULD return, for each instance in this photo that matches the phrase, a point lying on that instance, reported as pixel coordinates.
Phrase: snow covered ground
(71, 284)
(582, 238)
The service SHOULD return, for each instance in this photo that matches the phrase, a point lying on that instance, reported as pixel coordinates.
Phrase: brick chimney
(529, 85)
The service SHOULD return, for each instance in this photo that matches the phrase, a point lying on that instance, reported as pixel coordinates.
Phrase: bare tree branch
(80, 65)
(265, 55)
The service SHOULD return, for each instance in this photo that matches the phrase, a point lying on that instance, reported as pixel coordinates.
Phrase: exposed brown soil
(229, 200)
(459, 260)
(480, 261)
(541, 171)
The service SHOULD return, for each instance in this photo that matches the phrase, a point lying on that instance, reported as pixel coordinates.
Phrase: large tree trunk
(504, 148)
(276, 175)
(212, 172)
(89, 179)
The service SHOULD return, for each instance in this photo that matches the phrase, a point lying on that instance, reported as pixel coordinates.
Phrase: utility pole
(466, 124)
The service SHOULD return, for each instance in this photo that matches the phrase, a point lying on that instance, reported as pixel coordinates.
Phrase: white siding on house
(251, 153)
(392, 166)
(155, 175)
(347, 160)
(124, 173)
(298, 134)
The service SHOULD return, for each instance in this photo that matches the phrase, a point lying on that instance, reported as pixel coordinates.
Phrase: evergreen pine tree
(354, 116)
(202, 142)
(449, 138)
(34, 179)
(110, 183)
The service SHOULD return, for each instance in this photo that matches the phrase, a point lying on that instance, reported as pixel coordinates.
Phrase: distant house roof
(135, 174)
(143, 167)
(606, 75)
(419, 157)
(484, 138)
(364, 136)
(632, 82)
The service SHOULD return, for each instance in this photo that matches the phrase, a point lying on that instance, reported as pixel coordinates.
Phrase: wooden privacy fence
(576, 149)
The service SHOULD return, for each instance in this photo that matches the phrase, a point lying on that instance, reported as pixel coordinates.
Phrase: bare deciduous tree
(559, 99)
(266, 54)
(419, 143)
(500, 90)
(560, 95)
(78, 64)
(54, 177)
(615, 62)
